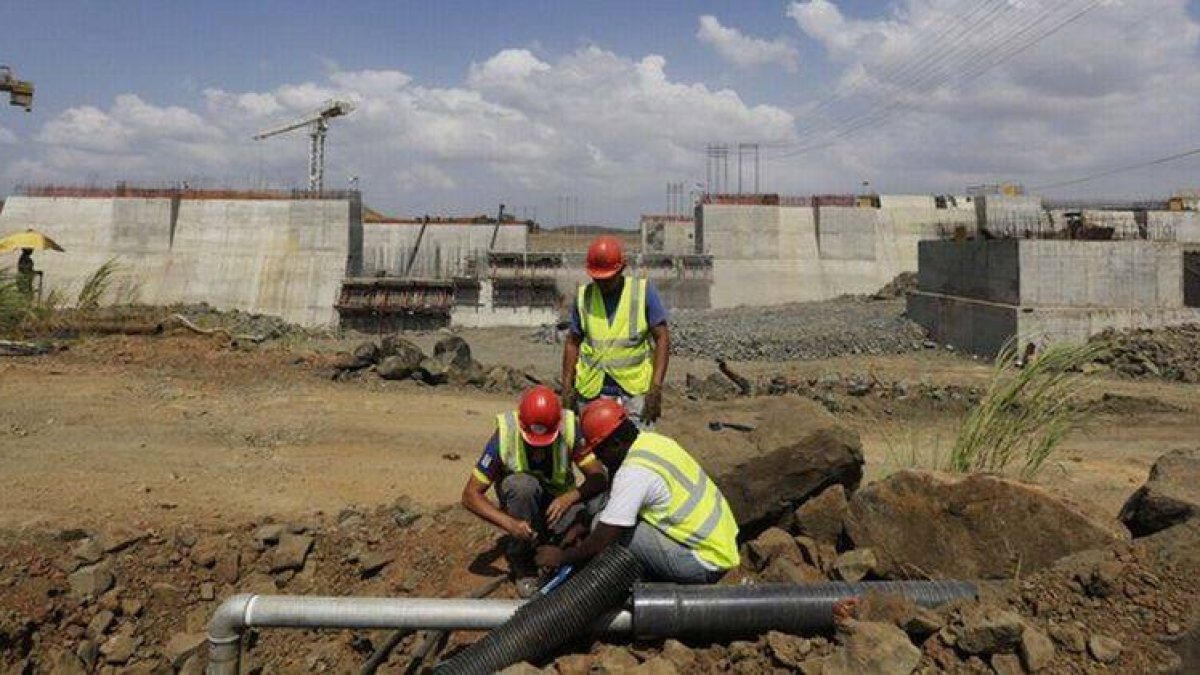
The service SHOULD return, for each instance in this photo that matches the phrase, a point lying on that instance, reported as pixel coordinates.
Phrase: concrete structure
(979, 294)
(782, 250)
(668, 234)
(446, 248)
(492, 308)
(278, 256)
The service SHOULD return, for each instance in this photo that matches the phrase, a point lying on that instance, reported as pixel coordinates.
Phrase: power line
(978, 63)
(1123, 169)
(893, 104)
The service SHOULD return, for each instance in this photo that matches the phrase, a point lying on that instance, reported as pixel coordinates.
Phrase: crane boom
(318, 124)
(20, 92)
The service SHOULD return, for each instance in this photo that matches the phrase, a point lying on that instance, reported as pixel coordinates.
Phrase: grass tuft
(1026, 412)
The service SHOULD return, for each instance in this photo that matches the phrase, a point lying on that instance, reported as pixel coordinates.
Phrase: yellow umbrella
(28, 239)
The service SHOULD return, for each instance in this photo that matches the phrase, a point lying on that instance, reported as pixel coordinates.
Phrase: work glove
(652, 408)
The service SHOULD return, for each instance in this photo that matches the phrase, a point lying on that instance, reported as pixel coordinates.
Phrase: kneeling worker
(530, 460)
(663, 507)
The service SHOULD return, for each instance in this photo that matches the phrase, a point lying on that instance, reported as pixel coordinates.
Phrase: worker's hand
(560, 505)
(569, 398)
(521, 529)
(548, 556)
(652, 406)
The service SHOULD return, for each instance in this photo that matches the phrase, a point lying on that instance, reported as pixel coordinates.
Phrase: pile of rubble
(395, 358)
(1086, 600)
(799, 331)
(1171, 353)
(94, 599)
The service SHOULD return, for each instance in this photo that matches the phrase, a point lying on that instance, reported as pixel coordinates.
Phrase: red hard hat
(540, 415)
(600, 419)
(605, 259)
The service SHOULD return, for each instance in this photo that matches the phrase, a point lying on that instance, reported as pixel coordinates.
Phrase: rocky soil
(1085, 598)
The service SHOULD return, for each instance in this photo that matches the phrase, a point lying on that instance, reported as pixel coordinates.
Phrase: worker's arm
(662, 354)
(602, 537)
(652, 409)
(474, 498)
(570, 357)
(595, 481)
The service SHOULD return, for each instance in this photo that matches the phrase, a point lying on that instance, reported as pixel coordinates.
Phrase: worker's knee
(520, 486)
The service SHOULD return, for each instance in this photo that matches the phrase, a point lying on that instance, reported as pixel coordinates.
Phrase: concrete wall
(445, 247)
(485, 313)
(1181, 226)
(281, 257)
(765, 255)
(978, 294)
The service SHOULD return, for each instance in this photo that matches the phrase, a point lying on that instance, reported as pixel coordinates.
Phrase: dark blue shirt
(656, 315)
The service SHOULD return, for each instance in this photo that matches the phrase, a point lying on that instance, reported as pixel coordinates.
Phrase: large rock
(824, 516)
(795, 451)
(400, 358)
(91, 580)
(929, 525)
(453, 351)
(868, 647)
(1169, 497)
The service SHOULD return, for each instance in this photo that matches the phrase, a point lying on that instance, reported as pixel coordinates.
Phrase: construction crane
(20, 92)
(318, 124)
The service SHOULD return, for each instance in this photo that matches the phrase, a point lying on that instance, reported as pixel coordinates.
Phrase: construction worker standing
(662, 507)
(618, 345)
(530, 460)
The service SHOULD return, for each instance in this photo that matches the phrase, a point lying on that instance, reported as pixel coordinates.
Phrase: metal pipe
(240, 612)
(659, 610)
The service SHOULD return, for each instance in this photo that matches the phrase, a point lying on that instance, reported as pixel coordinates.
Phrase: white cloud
(518, 129)
(913, 92)
(745, 51)
(7, 137)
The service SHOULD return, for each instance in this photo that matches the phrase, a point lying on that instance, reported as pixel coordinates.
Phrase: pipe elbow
(229, 620)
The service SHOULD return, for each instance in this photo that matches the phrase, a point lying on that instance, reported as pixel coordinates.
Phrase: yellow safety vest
(513, 449)
(698, 515)
(620, 348)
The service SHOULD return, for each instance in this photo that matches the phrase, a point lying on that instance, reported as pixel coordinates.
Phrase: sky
(584, 111)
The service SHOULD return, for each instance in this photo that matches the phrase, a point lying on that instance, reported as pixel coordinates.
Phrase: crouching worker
(662, 505)
(531, 459)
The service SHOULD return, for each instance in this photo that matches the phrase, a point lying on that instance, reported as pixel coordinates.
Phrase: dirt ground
(162, 430)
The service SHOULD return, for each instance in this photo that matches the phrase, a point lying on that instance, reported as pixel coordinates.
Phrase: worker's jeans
(522, 496)
(664, 559)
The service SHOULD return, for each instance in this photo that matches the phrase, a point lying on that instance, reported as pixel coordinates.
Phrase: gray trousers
(664, 559)
(633, 407)
(522, 496)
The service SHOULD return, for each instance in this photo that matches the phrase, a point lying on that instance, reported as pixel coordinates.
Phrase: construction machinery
(20, 92)
(318, 125)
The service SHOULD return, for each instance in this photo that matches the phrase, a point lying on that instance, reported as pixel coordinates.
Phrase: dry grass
(20, 314)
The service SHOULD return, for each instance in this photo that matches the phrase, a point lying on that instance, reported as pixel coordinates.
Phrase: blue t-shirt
(656, 315)
(490, 468)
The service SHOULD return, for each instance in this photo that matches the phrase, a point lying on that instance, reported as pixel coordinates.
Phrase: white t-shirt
(632, 488)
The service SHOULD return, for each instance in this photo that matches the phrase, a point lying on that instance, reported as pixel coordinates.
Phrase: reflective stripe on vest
(620, 349)
(698, 515)
(513, 451)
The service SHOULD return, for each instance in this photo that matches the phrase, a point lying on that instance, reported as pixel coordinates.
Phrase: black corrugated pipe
(541, 626)
(672, 610)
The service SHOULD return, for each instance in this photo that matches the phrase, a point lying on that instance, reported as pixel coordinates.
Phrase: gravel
(798, 332)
